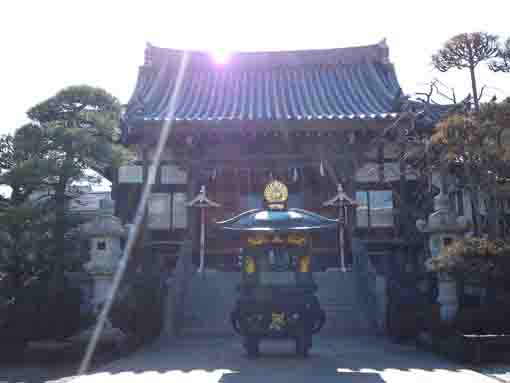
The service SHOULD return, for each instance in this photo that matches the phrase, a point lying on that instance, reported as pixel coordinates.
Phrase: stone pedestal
(381, 302)
(102, 285)
(447, 299)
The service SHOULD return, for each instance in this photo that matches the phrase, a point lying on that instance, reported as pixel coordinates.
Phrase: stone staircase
(210, 297)
(208, 303)
(341, 298)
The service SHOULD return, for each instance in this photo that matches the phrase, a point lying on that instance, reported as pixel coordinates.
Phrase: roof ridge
(348, 55)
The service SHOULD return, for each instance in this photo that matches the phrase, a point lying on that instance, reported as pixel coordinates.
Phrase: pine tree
(79, 130)
(467, 51)
(502, 63)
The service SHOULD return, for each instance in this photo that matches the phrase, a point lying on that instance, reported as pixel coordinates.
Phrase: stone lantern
(104, 233)
(443, 228)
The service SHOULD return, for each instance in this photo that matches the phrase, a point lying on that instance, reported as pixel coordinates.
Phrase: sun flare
(220, 56)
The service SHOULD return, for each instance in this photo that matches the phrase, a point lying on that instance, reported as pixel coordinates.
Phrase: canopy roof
(333, 84)
(291, 220)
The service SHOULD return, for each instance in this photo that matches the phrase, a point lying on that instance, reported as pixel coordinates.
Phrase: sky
(47, 45)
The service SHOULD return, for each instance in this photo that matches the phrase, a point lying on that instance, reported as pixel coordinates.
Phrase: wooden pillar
(146, 238)
(307, 188)
(403, 230)
(380, 162)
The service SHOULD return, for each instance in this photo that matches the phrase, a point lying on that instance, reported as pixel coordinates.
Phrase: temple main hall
(312, 119)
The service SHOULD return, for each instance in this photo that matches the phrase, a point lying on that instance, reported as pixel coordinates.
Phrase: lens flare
(138, 219)
(220, 56)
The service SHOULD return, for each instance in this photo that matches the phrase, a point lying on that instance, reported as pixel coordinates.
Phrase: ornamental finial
(201, 200)
(276, 194)
(340, 199)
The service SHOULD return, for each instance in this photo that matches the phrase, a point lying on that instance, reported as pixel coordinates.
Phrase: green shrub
(487, 319)
(452, 347)
(473, 257)
(47, 308)
(138, 309)
(470, 321)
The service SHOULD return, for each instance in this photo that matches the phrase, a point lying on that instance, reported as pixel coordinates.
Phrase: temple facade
(312, 119)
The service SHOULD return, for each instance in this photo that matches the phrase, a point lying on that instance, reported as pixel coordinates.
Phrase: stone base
(425, 339)
(49, 345)
(102, 285)
(109, 336)
(447, 298)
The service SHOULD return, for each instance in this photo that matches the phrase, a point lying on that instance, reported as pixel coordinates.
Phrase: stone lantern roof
(442, 219)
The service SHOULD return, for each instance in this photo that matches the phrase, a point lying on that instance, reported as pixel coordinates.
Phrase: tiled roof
(335, 84)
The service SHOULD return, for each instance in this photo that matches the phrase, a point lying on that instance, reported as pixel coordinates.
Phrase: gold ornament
(258, 240)
(276, 192)
(296, 239)
(249, 265)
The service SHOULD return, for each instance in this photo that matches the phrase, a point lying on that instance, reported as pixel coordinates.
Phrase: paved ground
(354, 359)
(500, 372)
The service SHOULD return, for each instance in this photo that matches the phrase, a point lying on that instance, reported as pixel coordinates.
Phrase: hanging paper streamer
(322, 171)
(295, 175)
(213, 175)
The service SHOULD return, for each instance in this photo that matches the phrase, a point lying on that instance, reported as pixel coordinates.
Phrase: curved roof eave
(291, 220)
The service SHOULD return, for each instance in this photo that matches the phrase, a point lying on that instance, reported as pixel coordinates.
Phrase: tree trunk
(474, 198)
(474, 88)
(492, 209)
(60, 224)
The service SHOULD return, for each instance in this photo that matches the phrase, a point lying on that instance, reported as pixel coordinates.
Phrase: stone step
(210, 298)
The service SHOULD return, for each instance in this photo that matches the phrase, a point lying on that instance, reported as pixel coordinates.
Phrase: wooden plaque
(172, 174)
(159, 211)
(130, 174)
(179, 211)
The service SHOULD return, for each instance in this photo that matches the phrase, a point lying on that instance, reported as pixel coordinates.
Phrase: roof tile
(327, 84)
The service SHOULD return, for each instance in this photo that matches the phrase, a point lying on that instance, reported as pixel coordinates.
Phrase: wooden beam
(235, 251)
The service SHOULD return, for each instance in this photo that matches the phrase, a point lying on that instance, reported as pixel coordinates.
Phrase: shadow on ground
(346, 359)
(47, 361)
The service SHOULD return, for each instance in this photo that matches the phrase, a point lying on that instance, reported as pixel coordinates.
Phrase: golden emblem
(258, 240)
(277, 321)
(296, 239)
(276, 192)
